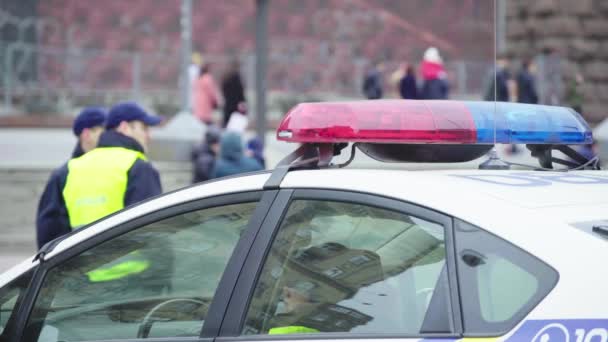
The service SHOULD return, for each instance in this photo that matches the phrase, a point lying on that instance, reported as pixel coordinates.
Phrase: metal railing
(45, 72)
(81, 76)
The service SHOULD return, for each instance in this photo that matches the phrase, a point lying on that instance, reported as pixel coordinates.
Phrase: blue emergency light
(520, 123)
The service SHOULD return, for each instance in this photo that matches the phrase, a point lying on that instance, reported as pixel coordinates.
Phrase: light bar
(433, 122)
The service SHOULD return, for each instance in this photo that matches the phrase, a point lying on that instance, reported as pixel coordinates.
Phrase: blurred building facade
(115, 48)
(568, 37)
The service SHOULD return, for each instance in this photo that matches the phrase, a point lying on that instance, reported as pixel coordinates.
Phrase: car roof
(524, 189)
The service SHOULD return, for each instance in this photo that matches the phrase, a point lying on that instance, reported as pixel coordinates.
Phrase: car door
(167, 275)
(344, 265)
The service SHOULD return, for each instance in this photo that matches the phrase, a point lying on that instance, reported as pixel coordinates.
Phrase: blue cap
(255, 144)
(88, 118)
(130, 111)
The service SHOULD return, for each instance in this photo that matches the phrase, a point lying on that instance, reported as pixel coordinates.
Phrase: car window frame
(210, 328)
(10, 327)
(248, 279)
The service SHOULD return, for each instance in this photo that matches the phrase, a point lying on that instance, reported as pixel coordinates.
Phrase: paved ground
(46, 148)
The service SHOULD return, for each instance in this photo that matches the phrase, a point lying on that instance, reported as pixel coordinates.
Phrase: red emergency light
(380, 121)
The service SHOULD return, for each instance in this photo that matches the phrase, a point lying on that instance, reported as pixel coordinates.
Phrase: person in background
(396, 77)
(194, 70)
(526, 83)
(255, 150)
(232, 160)
(408, 88)
(232, 90)
(204, 156)
(206, 95)
(526, 92)
(372, 83)
(434, 76)
(88, 127)
(574, 98)
(238, 121)
(574, 95)
(106, 179)
(502, 87)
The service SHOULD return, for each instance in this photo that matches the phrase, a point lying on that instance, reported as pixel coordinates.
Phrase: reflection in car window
(155, 281)
(10, 299)
(500, 283)
(343, 267)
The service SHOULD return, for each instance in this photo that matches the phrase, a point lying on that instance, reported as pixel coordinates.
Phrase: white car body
(536, 211)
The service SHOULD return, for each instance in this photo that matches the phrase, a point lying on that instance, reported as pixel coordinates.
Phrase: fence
(48, 67)
(40, 78)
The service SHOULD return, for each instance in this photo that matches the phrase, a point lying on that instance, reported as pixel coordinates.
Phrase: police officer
(51, 222)
(110, 177)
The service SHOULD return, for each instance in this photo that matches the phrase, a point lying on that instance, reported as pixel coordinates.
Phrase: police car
(315, 250)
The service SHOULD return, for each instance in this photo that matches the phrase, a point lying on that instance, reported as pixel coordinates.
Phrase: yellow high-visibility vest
(95, 187)
(97, 182)
(131, 263)
(292, 329)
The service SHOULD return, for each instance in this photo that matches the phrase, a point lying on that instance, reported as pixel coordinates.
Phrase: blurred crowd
(428, 80)
(521, 86)
(222, 151)
(404, 80)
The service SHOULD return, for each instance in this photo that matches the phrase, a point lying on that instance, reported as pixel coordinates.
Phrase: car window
(344, 267)
(10, 299)
(155, 281)
(500, 283)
